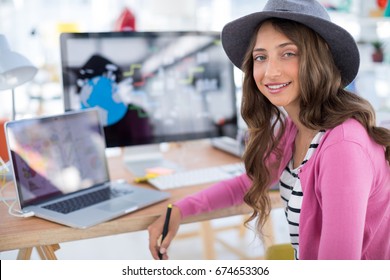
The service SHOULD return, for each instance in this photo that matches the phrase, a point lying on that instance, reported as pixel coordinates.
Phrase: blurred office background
(32, 28)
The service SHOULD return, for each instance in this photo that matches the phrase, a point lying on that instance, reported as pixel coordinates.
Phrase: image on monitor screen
(151, 87)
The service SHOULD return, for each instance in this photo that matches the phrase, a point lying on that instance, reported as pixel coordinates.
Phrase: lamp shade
(15, 69)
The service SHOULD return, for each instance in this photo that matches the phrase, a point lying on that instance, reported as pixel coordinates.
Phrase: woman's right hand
(155, 231)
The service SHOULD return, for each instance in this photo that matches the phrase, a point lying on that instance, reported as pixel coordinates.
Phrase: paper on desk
(159, 171)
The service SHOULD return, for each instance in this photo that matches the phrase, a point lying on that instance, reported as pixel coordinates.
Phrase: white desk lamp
(15, 69)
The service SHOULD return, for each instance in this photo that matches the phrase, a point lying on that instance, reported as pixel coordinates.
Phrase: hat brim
(237, 34)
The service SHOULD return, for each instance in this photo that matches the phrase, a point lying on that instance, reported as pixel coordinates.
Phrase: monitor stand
(139, 158)
(234, 146)
(227, 144)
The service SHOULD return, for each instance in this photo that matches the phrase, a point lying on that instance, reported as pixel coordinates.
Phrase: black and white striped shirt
(292, 195)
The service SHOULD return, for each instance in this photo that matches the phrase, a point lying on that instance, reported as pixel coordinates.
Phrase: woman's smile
(275, 88)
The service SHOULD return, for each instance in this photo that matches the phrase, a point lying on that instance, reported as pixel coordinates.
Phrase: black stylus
(166, 226)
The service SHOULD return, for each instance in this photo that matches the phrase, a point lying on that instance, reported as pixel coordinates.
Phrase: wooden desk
(27, 233)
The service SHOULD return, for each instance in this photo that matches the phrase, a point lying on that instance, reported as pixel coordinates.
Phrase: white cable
(11, 210)
(18, 213)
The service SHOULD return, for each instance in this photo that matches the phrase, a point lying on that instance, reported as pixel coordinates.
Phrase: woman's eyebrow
(279, 46)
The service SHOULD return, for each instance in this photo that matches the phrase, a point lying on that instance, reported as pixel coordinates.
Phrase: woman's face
(275, 67)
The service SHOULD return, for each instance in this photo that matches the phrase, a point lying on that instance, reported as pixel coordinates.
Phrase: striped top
(292, 195)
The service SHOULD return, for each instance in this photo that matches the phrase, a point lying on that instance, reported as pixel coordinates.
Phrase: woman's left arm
(345, 181)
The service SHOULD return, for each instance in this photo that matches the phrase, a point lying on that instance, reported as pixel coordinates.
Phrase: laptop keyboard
(82, 201)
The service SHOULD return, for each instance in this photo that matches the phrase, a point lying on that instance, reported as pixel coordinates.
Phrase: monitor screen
(151, 87)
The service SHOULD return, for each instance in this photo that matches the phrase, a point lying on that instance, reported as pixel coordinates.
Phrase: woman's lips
(276, 88)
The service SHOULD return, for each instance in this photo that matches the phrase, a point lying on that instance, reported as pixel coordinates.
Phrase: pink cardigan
(346, 204)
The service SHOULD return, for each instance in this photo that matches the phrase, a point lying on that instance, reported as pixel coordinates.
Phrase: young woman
(307, 132)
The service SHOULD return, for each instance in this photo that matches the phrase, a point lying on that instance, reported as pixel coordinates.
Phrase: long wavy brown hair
(324, 104)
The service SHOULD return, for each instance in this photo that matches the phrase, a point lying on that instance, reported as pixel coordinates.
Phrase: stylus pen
(166, 226)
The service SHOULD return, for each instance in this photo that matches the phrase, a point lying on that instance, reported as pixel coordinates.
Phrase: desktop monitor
(151, 87)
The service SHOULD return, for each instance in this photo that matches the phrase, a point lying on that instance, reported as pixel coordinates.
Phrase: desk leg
(24, 254)
(45, 252)
(208, 237)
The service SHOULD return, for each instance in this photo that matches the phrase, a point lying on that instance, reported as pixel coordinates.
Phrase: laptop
(61, 172)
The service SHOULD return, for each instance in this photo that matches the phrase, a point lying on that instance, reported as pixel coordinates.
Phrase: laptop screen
(57, 155)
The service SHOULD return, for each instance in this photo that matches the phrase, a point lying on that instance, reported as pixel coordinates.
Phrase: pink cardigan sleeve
(221, 195)
(231, 192)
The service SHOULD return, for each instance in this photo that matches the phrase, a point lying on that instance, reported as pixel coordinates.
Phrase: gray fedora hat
(236, 35)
